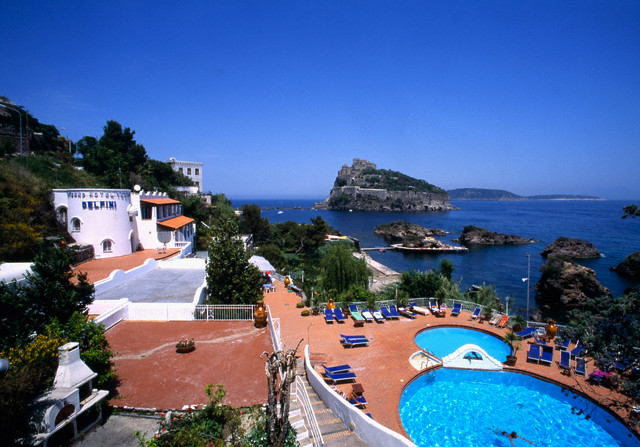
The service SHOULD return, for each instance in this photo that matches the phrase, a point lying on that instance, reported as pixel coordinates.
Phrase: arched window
(107, 246)
(75, 225)
(61, 214)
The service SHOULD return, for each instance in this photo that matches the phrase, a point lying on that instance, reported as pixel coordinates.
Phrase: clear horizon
(532, 97)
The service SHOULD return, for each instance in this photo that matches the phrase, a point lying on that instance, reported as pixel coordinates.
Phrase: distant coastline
(503, 195)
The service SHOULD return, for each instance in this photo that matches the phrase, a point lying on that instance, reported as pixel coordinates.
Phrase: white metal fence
(242, 312)
(303, 399)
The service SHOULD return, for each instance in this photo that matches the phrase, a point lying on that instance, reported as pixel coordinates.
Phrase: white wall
(371, 432)
(103, 214)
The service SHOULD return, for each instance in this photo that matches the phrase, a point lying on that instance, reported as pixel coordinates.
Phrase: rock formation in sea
(364, 187)
(400, 230)
(565, 286)
(571, 248)
(630, 267)
(472, 235)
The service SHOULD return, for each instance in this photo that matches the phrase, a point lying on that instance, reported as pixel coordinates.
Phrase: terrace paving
(383, 367)
(153, 375)
(99, 269)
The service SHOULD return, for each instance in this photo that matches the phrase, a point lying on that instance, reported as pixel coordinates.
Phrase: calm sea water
(598, 222)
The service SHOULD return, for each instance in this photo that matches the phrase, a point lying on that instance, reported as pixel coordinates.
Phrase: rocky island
(571, 248)
(400, 230)
(415, 238)
(472, 235)
(364, 187)
(565, 286)
(630, 267)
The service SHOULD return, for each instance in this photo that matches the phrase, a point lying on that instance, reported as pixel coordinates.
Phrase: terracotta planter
(315, 311)
(551, 329)
(185, 349)
(260, 315)
(511, 360)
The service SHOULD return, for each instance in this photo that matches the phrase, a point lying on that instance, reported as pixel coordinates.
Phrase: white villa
(118, 222)
(192, 169)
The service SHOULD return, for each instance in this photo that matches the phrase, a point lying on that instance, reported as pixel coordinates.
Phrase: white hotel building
(119, 222)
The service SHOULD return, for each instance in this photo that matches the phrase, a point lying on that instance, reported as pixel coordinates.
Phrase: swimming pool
(452, 407)
(443, 341)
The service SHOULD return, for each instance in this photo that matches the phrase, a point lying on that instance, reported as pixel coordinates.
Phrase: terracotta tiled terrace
(384, 365)
(153, 375)
(99, 269)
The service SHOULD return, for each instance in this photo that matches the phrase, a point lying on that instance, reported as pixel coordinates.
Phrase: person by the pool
(511, 435)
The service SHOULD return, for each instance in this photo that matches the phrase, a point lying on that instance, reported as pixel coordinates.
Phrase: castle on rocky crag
(363, 187)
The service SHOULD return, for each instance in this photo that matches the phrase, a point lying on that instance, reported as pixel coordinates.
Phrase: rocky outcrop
(401, 230)
(630, 267)
(571, 248)
(565, 286)
(472, 235)
(363, 187)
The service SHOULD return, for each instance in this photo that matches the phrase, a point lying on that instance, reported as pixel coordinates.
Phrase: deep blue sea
(598, 222)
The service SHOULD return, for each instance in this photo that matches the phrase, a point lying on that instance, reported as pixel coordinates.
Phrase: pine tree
(231, 278)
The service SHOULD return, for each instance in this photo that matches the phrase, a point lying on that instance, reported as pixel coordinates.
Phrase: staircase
(332, 429)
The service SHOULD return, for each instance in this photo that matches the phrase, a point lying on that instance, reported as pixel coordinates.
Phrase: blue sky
(536, 97)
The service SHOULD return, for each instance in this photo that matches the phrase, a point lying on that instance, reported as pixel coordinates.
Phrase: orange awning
(176, 222)
(164, 201)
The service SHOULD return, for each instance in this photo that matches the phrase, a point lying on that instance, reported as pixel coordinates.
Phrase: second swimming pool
(443, 341)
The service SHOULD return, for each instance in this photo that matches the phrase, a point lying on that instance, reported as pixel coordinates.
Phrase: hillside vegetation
(397, 181)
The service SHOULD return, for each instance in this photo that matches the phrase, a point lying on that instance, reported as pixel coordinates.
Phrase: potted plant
(487, 311)
(316, 304)
(185, 345)
(512, 339)
(305, 313)
(300, 305)
(518, 323)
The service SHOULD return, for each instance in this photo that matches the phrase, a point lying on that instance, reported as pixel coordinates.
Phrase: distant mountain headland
(364, 187)
(501, 194)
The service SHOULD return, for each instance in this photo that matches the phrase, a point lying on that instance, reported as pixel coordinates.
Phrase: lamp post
(20, 116)
(527, 280)
(309, 338)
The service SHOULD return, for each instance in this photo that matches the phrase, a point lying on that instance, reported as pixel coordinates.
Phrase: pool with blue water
(443, 341)
(452, 407)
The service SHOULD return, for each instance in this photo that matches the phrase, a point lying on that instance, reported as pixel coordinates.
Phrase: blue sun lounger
(546, 356)
(394, 311)
(534, 353)
(340, 377)
(337, 313)
(336, 369)
(353, 340)
(581, 366)
(387, 313)
(528, 332)
(457, 307)
(358, 401)
(328, 316)
(475, 313)
(564, 345)
(378, 316)
(577, 350)
(565, 361)
(408, 313)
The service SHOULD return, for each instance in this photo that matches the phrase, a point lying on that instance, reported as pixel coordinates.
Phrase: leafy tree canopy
(47, 293)
(341, 269)
(231, 278)
(251, 222)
